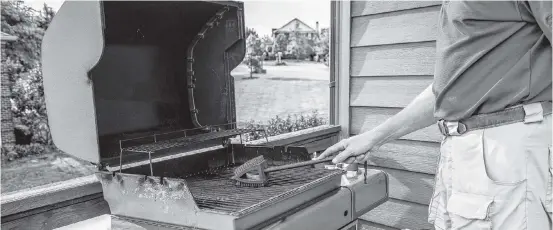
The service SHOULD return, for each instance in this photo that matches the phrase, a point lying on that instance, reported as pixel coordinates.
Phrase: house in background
(297, 26)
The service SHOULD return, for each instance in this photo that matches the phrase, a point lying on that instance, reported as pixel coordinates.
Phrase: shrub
(254, 63)
(278, 125)
(28, 113)
(29, 109)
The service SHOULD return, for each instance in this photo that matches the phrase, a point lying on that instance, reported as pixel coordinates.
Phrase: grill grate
(215, 191)
(184, 141)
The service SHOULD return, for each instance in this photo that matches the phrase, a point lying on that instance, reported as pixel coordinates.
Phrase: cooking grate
(183, 141)
(216, 192)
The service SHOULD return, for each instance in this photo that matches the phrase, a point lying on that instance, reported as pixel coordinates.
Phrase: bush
(280, 63)
(254, 63)
(28, 113)
(278, 125)
(29, 109)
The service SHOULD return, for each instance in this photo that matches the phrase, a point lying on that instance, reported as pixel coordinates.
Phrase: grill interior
(216, 192)
(208, 177)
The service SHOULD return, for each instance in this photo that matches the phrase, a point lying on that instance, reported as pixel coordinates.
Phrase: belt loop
(452, 128)
(533, 112)
(442, 127)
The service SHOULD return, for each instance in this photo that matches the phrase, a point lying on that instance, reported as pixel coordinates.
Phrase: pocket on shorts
(470, 211)
(472, 165)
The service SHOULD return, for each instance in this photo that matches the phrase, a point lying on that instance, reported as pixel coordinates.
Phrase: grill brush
(254, 172)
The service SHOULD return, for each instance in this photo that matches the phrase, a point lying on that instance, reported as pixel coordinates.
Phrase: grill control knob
(352, 170)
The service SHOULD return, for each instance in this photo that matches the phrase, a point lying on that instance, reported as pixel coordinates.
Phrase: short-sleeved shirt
(491, 55)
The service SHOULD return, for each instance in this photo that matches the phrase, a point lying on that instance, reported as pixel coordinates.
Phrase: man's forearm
(417, 115)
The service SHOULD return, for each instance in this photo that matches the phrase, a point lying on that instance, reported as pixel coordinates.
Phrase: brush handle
(296, 165)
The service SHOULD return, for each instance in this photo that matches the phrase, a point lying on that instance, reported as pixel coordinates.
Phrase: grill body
(338, 208)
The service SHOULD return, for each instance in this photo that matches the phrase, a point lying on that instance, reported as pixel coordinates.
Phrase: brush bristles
(255, 164)
(249, 165)
(250, 184)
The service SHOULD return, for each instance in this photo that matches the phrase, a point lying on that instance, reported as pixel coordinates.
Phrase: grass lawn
(296, 88)
(42, 169)
(293, 89)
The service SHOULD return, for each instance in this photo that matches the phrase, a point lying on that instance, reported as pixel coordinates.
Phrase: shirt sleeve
(541, 10)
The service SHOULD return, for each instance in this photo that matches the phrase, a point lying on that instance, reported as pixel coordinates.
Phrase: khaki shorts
(495, 178)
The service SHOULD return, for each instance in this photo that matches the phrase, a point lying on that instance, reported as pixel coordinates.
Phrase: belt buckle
(451, 128)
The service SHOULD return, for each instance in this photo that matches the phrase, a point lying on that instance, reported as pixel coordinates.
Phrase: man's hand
(357, 147)
(418, 114)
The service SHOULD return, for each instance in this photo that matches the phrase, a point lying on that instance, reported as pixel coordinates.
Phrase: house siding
(391, 61)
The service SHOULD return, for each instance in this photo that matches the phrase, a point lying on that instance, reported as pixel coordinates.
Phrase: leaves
(278, 125)
(281, 42)
(22, 21)
(22, 64)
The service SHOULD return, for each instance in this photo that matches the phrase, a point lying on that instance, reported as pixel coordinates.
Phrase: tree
(22, 21)
(299, 46)
(324, 42)
(281, 43)
(253, 45)
(253, 50)
(266, 43)
(250, 31)
(46, 16)
(23, 67)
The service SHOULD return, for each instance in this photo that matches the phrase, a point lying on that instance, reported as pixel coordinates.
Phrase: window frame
(340, 66)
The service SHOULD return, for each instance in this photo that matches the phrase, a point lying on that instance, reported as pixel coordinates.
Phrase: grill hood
(116, 70)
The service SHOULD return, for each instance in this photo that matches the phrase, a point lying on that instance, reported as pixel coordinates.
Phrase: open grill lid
(116, 70)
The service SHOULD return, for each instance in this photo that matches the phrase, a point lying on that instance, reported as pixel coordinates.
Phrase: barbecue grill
(144, 91)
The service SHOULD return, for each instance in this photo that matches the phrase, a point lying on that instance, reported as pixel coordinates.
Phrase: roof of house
(309, 28)
(7, 37)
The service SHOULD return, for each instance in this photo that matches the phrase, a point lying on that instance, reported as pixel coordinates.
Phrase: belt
(482, 121)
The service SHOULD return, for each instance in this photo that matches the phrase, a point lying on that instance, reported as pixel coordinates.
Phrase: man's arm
(417, 115)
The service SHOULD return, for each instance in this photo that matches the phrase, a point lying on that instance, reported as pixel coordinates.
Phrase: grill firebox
(198, 189)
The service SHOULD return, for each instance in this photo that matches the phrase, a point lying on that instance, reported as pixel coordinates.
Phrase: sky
(262, 15)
